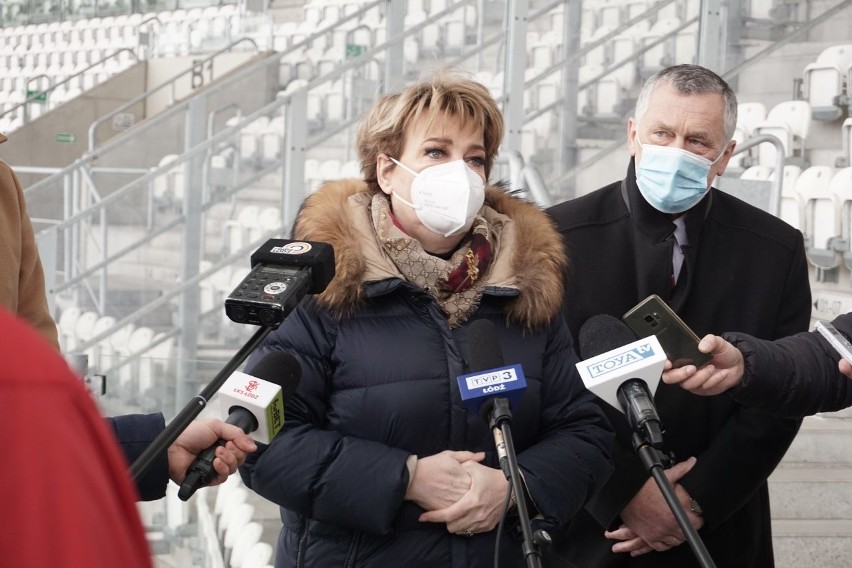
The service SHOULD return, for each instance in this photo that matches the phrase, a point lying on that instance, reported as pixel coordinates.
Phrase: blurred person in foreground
(665, 230)
(379, 463)
(68, 499)
(797, 376)
(22, 287)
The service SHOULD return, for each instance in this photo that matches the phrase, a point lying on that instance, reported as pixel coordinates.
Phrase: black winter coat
(794, 376)
(379, 384)
(744, 271)
(135, 432)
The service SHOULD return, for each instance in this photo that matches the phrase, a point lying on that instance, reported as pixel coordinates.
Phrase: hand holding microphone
(201, 434)
(255, 405)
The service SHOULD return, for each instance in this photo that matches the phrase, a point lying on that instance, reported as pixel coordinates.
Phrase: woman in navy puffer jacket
(379, 463)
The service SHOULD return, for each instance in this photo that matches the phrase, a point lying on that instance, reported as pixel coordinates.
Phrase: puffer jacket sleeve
(310, 470)
(135, 432)
(571, 461)
(795, 376)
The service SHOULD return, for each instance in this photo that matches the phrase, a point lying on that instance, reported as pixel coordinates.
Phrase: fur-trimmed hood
(530, 259)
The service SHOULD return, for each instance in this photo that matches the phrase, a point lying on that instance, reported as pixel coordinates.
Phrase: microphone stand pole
(194, 407)
(501, 418)
(650, 458)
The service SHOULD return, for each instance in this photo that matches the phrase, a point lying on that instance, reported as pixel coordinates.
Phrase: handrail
(583, 86)
(810, 24)
(775, 195)
(242, 75)
(168, 82)
(68, 79)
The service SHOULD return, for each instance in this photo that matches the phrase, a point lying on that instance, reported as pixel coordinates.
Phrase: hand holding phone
(652, 316)
(836, 339)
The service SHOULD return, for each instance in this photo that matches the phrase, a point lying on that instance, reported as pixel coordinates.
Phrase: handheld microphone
(624, 372)
(283, 272)
(255, 404)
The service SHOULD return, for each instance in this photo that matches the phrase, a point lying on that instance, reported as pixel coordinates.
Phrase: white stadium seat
(790, 122)
(824, 80)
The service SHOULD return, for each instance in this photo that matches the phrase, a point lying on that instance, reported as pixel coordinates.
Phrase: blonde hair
(450, 91)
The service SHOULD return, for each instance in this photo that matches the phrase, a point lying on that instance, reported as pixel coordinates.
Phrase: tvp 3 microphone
(624, 372)
(490, 378)
(255, 403)
(283, 272)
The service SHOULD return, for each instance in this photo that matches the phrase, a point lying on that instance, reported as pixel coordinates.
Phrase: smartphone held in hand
(652, 316)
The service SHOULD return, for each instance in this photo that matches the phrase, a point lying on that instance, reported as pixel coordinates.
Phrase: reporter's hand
(479, 509)
(724, 371)
(440, 480)
(200, 435)
(845, 367)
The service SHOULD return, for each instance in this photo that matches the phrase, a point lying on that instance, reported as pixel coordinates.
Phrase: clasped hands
(456, 489)
(648, 523)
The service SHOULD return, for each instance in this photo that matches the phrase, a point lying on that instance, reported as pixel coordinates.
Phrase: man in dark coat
(721, 264)
(796, 376)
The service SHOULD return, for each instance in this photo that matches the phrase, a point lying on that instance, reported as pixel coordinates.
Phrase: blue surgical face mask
(670, 179)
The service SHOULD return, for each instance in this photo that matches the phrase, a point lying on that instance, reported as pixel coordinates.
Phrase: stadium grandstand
(161, 142)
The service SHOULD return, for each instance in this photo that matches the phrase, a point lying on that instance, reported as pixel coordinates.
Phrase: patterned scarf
(457, 283)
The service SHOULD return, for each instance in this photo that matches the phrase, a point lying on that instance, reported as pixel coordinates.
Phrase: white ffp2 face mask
(446, 197)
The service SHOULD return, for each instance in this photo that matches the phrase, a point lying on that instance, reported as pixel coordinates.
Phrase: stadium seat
(167, 189)
(824, 80)
(760, 173)
(587, 98)
(66, 325)
(248, 536)
(312, 174)
(96, 353)
(240, 232)
(749, 115)
(329, 169)
(686, 45)
(269, 219)
(272, 139)
(841, 187)
(233, 499)
(258, 556)
(608, 13)
(792, 210)
(662, 54)
(790, 122)
(234, 522)
(846, 135)
(822, 219)
(761, 9)
(600, 54)
(624, 47)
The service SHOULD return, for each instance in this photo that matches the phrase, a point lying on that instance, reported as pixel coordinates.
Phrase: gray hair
(689, 80)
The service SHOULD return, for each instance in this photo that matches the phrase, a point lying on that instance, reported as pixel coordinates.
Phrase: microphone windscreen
(483, 346)
(280, 368)
(602, 333)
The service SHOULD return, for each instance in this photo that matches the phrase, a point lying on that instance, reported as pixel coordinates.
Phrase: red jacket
(67, 497)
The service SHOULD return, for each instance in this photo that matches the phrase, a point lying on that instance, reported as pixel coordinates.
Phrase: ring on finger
(467, 532)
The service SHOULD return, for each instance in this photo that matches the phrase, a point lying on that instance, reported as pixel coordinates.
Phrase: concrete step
(812, 543)
(822, 439)
(811, 493)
